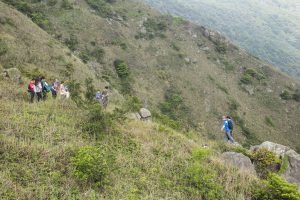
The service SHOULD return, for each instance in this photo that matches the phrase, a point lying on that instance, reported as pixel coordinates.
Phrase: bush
(65, 4)
(90, 90)
(221, 48)
(121, 68)
(269, 121)
(286, 95)
(265, 161)
(98, 122)
(296, 95)
(202, 179)
(40, 19)
(246, 79)
(90, 165)
(101, 7)
(275, 187)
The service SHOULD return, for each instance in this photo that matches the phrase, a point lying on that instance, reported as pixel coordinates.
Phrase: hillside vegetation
(268, 29)
(72, 149)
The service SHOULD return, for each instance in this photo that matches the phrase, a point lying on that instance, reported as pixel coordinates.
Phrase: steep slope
(61, 150)
(167, 56)
(270, 32)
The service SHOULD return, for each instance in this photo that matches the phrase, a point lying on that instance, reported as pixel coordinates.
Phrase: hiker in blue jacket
(227, 131)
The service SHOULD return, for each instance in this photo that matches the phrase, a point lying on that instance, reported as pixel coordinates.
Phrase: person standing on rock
(105, 97)
(225, 127)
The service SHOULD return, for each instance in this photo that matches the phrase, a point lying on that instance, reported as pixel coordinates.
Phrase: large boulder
(145, 114)
(278, 149)
(292, 173)
(238, 160)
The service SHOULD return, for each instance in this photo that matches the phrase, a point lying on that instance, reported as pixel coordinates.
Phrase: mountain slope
(268, 29)
(165, 54)
(187, 75)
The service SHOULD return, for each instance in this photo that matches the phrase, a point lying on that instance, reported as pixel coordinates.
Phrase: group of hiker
(228, 129)
(40, 88)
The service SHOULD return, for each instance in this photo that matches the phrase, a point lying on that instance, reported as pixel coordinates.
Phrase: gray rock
(213, 36)
(278, 149)
(292, 174)
(238, 160)
(145, 113)
(249, 89)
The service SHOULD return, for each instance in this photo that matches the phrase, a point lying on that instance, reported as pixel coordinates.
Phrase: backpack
(98, 95)
(45, 86)
(230, 124)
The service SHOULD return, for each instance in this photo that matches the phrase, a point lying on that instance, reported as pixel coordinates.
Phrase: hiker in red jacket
(31, 90)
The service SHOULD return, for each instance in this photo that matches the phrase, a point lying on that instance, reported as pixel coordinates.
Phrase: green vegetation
(265, 161)
(249, 74)
(175, 108)
(90, 165)
(73, 149)
(101, 7)
(155, 27)
(123, 72)
(275, 187)
(221, 48)
(290, 95)
(269, 121)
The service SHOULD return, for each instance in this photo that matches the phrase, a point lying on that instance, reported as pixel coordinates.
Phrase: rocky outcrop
(292, 173)
(238, 160)
(213, 36)
(278, 149)
(145, 114)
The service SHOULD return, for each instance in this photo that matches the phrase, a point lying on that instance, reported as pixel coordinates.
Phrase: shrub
(275, 187)
(90, 165)
(286, 95)
(175, 108)
(98, 122)
(90, 90)
(246, 79)
(202, 179)
(51, 2)
(65, 4)
(75, 92)
(296, 95)
(3, 47)
(101, 7)
(40, 19)
(221, 48)
(265, 161)
(121, 68)
(269, 121)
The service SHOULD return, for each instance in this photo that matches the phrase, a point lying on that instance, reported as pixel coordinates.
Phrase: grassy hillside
(268, 29)
(164, 57)
(64, 149)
